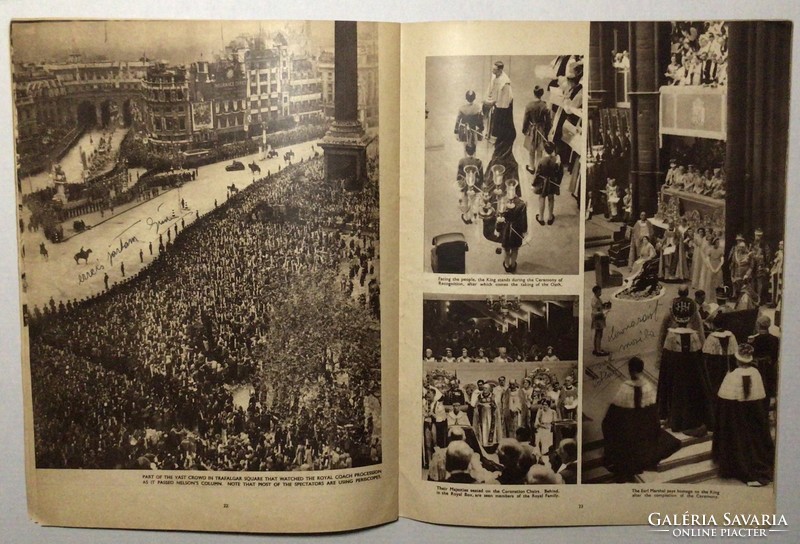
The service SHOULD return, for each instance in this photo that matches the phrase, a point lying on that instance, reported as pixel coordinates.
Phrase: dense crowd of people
(507, 428)
(198, 362)
(699, 53)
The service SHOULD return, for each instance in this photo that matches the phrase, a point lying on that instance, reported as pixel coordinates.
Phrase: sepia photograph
(500, 389)
(686, 184)
(198, 211)
(503, 147)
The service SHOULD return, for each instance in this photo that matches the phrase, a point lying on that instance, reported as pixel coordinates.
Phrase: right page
(591, 271)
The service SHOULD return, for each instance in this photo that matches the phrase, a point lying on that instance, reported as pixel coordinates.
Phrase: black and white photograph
(198, 211)
(500, 389)
(503, 147)
(686, 184)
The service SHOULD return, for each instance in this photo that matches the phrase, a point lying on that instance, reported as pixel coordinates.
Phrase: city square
(199, 245)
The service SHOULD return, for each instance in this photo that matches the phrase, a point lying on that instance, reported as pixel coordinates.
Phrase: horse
(232, 188)
(43, 251)
(254, 168)
(83, 254)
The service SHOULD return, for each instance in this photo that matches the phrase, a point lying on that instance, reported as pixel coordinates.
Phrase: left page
(207, 252)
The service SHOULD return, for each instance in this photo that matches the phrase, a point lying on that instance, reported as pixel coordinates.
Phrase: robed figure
(494, 186)
(719, 358)
(634, 440)
(681, 397)
(640, 229)
(514, 407)
(486, 426)
(743, 446)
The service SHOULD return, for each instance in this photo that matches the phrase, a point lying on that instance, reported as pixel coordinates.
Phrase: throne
(620, 248)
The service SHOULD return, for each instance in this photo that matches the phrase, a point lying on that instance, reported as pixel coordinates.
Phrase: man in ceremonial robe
(513, 409)
(766, 348)
(634, 440)
(682, 400)
(641, 228)
(568, 119)
(497, 393)
(695, 322)
(743, 446)
(500, 101)
(719, 358)
(568, 399)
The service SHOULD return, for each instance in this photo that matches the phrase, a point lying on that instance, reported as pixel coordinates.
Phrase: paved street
(120, 238)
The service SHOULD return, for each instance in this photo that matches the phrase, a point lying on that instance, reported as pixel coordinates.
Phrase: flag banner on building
(202, 116)
(693, 111)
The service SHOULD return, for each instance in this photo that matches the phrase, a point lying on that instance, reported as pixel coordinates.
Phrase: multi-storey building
(267, 81)
(54, 101)
(167, 107)
(305, 89)
(326, 68)
(218, 93)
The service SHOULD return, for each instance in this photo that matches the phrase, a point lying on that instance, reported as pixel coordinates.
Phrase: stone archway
(86, 114)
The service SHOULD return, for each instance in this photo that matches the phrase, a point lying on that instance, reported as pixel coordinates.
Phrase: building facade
(218, 92)
(167, 109)
(54, 102)
(305, 84)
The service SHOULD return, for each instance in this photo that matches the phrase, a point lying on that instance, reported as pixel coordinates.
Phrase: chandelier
(503, 305)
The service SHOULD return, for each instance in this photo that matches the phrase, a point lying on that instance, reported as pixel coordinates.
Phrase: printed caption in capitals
(501, 281)
(258, 481)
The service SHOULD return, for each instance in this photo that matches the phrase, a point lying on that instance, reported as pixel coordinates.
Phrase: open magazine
(311, 276)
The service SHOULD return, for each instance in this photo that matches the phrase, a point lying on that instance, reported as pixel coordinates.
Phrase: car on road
(234, 166)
